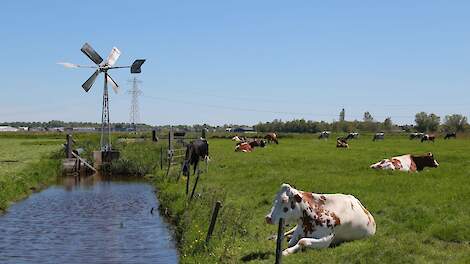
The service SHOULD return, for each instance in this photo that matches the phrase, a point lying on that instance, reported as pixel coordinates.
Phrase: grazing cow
(342, 143)
(271, 137)
(450, 135)
(416, 135)
(428, 138)
(195, 151)
(407, 163)
(243, 147)
(352, 135)
(322, 219)
(378, 136)
(324, 135)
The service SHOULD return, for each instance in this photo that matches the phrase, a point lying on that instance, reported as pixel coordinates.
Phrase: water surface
(87, 221)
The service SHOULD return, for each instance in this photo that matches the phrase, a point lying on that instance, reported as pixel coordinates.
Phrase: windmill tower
(103, 67)
(134, 117)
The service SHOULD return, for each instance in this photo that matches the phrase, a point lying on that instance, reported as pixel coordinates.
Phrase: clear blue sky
(222, 62)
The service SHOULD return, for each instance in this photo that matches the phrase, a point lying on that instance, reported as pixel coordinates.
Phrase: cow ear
(297, 198)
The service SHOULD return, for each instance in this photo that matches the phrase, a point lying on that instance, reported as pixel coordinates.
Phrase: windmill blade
(71, 65)
(113, 84)
(87, 85)
(112, 57)
(91, 53)
(135, 68)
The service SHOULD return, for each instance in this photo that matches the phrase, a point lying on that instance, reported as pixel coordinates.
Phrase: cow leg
(295, 237)
(303, 243)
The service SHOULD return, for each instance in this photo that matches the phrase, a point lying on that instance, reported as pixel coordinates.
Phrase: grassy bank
(26, 165)
(420, 217)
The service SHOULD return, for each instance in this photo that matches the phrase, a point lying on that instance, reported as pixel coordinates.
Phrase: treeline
(423, 123)
(309, 126)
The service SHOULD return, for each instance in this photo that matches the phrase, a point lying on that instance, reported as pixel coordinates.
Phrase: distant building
(84, 129)
(37, 129)
(23, 128)
(56, 129)
(8, 129)
(243, 129)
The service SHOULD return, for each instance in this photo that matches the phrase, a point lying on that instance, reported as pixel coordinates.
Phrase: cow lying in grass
(407, 163)
(322, 219)
(243, 147)
(450, 135)
(342, 143)
(428, 138)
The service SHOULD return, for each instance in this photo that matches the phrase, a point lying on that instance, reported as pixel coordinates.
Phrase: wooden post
(280, 237)
(195, 183)
(154, 136)
(68, 147)
(215, 212)
(187, 183)
(203, 133)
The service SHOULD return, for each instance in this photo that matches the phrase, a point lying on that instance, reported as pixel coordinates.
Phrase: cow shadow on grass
(257, 255)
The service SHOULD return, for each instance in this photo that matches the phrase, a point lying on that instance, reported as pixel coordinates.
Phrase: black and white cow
(416, 135)
(322, 219)
(378, 136)
(324, 135)
(450, 135)
(352, 135)
(195, 151)
(428, 138)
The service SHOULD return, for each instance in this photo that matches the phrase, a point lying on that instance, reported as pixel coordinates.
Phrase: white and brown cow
(407, 163)
(322, 219)
(243, 147)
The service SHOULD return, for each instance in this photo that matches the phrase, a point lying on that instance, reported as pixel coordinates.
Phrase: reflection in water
(90, 221)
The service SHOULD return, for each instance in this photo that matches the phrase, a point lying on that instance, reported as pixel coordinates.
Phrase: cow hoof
(285, 252)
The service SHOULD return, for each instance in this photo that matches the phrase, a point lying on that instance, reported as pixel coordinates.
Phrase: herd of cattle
(322, 220)
(244, 144)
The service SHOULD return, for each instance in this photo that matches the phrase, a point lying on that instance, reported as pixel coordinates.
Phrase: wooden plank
(84, 162)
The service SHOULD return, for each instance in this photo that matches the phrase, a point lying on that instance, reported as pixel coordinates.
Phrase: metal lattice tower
(105, 141)
(134, 116)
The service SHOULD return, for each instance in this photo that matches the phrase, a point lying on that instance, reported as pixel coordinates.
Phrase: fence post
(280, 237)
(215, 212)
(203, 133)
(195, 183)
(68, 147)
(187, 182)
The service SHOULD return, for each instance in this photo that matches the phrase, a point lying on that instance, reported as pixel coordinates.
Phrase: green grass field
(421, 217)
(25, 165)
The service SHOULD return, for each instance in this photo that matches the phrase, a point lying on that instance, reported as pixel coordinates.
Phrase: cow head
(286, 205)
(429, 161)
(425, 161)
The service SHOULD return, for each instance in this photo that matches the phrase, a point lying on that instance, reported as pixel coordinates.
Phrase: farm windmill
(103, 67)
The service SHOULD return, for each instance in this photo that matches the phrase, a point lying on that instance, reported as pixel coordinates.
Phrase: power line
(328, 116)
